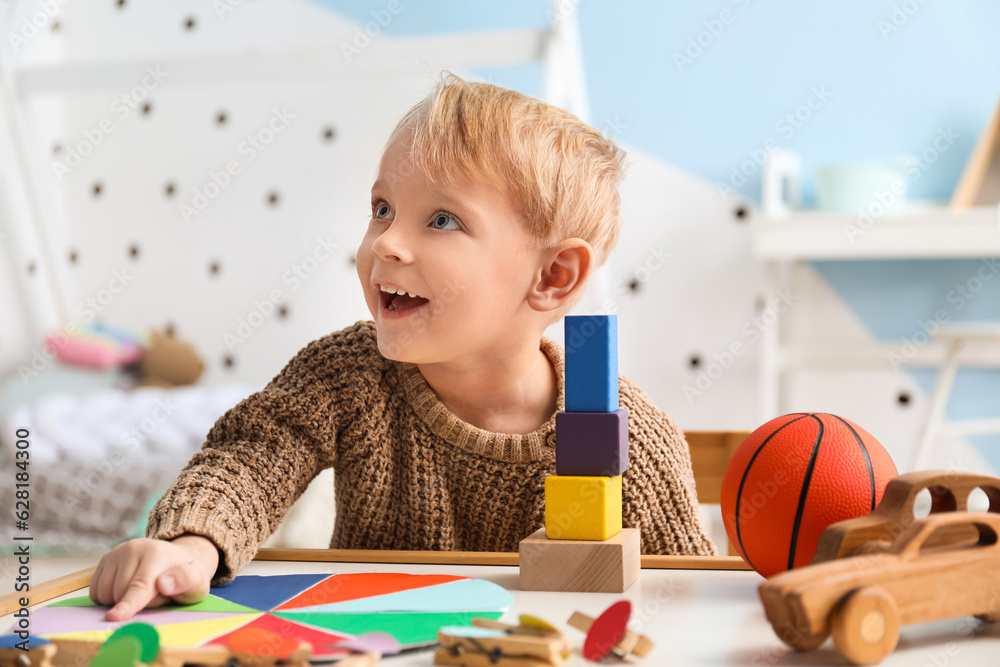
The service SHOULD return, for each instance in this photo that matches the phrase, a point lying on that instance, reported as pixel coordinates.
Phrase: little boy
(489, 213)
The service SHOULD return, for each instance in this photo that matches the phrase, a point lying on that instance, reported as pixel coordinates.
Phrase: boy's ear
(562, 276)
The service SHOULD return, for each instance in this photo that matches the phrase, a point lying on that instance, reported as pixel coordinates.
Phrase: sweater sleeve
(658, 488)
(260, 456)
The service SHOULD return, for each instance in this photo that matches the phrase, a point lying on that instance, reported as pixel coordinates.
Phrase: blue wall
(708, 108)
(852, 80)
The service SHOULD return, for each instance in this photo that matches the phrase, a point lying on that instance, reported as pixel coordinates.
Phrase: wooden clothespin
(40, 654)
(608, 634)
(531, 626)
(509, 646)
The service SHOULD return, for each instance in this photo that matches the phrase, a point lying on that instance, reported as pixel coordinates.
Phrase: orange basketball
(793, 477)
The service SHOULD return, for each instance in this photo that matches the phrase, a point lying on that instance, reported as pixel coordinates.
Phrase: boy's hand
(149, 573)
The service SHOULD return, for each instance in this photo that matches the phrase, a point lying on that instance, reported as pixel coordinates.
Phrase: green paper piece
(409, 628)
(145, 634)
(123, 652)
(76, 602)
(210, 603)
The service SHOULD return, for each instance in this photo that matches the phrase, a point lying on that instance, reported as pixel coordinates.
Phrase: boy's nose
(392, 244)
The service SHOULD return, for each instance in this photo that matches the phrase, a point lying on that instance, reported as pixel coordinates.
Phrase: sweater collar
(509, 447)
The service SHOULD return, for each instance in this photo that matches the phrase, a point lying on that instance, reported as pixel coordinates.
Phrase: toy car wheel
(865, 625)
(989, 617)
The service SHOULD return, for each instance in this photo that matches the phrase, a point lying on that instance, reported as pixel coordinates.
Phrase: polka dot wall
(200, 170)
(223, 207)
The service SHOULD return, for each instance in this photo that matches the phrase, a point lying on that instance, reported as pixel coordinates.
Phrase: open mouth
(399, 300)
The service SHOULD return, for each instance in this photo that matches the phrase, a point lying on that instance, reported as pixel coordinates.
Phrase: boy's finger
(138, 596)
(185, 584)
(95, 582)
(140, 591)
(102, 585)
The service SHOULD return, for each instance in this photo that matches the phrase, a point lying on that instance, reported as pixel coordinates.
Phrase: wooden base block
(607, 566)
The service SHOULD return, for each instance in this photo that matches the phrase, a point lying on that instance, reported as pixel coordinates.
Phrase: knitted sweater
(408, 474)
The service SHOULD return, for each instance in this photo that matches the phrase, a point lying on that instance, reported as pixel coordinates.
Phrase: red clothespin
(608, 635)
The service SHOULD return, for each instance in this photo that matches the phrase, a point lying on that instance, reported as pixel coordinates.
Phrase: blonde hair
(562, 173)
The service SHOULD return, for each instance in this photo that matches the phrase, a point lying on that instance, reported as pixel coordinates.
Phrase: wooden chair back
(710, 454)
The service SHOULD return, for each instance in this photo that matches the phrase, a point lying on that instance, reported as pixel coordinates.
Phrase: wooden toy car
(864, 600)
(875, 532)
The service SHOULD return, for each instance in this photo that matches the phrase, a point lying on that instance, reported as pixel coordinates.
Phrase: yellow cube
(582, 508)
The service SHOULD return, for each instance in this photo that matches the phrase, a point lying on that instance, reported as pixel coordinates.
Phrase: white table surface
(696, 617)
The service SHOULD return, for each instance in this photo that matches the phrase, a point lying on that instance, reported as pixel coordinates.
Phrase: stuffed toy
(169, 362)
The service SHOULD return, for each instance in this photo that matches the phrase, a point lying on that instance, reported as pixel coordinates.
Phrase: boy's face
(465, 252)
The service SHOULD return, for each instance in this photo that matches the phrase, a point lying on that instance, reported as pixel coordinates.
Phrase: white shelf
(918, 233)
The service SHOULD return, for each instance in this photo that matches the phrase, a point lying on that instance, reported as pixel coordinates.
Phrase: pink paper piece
(370, 642)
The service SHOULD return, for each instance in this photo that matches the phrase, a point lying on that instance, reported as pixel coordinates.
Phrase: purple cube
(592, 444)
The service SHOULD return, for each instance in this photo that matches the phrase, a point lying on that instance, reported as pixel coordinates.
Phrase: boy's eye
(442, 220)
(381, 210)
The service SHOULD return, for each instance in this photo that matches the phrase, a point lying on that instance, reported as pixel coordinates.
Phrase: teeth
(393, 290)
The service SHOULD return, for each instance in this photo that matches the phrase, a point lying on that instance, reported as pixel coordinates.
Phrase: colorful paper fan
(322, 609)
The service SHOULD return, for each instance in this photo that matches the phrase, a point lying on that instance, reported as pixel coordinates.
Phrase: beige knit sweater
(408, 474)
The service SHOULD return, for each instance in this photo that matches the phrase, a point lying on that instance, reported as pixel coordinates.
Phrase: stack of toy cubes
(583, 546)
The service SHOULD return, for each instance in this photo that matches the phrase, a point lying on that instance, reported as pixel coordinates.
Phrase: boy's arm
(659, 490)
(259, 457)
